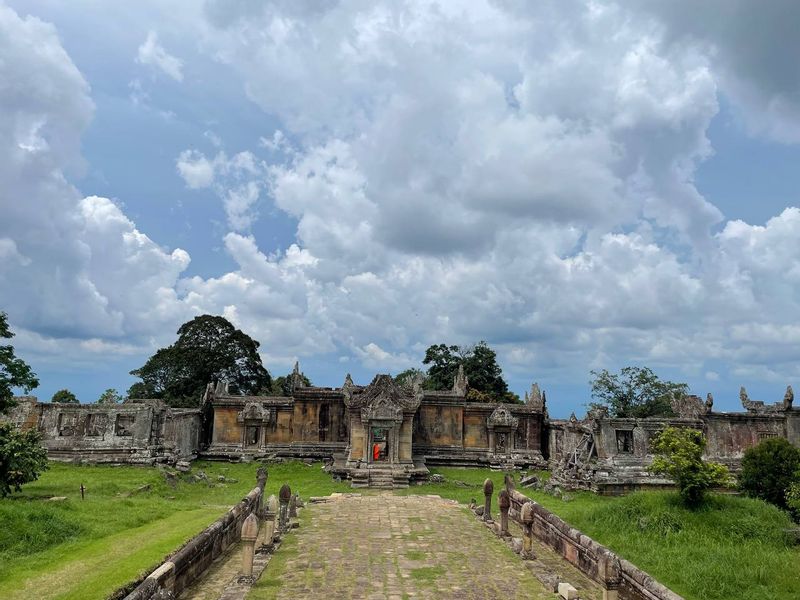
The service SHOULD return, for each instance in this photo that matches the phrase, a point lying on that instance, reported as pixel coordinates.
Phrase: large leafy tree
(14, 373)
(282, 385)
(22, 457)
(209, 348)
(679, 455)
(635, 392)
(480, 366)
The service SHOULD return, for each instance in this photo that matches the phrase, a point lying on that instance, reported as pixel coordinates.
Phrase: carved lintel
(502, 417)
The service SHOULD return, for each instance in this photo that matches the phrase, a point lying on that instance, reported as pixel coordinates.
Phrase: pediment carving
(253, 411)
(502, 417)
(382, 399)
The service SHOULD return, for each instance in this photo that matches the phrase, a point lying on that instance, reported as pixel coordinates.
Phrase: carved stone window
(124, 425)
(96, 424)
(765, 435)
(625, 441)
(67, 422)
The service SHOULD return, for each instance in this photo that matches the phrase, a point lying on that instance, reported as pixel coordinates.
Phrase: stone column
(270, 513)
(488, 489)
(284, 495)
(293, 507)
(504, 501)
(249, 536)
(526, 516)
(610, 573)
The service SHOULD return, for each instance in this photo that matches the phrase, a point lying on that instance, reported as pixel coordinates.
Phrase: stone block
(567, 591)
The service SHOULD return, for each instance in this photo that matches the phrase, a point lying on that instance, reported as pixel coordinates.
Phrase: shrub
(768, 470)
(679, 455)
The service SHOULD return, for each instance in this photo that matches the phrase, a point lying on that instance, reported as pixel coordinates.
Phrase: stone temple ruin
(387, 434)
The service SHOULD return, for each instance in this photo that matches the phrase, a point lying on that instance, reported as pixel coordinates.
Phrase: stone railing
(183, 567)
(619, 577)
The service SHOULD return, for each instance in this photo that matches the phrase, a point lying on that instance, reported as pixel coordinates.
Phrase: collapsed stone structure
(612, 455)
(386, 434)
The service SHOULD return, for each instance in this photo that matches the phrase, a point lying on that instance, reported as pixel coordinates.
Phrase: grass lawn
(83, 549)
(735, 548)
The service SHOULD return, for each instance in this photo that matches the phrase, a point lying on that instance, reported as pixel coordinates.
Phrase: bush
(768, 470)
(22, 458)
(679, 455)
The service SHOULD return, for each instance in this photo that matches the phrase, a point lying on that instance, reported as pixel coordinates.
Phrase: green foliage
(480, 366)
(110, 396)
(64, 397)
(209, 348)
(22, 458)
(679, 455)
(282, 385)
(635, 392)
(793, 496)
(768, 470)
(408, 376)
(14, 373)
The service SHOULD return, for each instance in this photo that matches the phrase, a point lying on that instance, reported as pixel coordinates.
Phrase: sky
(581, 184)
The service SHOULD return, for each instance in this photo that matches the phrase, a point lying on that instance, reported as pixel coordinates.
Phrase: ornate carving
(254, 411)
(709, 402)
(382, 387)
(535, 400)
(689, 407)
(758, 406)
(297, 378)
(502, 417)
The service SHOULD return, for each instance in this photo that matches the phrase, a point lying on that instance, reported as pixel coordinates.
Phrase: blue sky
(583, 185)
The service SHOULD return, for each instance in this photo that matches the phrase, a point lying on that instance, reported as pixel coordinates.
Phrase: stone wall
(135, 432)
(594, 560)
(183, 567)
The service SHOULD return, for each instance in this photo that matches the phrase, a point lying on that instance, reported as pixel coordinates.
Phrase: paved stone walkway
(395, 547)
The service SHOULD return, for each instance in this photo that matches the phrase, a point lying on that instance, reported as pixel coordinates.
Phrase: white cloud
(153, 53)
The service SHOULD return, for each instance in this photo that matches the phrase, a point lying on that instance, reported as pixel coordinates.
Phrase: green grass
(85, 549)
(733, 548)
(427, 575)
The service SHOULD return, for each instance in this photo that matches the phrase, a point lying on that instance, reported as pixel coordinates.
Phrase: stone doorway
(379, 445)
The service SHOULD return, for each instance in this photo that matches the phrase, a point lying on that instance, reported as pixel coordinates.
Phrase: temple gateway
(383, 433)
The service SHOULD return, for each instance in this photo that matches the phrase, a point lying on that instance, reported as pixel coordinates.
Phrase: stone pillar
(488, 489)
(261, 481)
(284, 495)
(249, 536)
(610, 574)
(270, 514)
(293, 506)
(504, 501)
(526, 516)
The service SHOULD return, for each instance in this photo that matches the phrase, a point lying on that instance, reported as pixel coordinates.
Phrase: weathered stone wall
(593, 559)
(136, 432)
(187, 564)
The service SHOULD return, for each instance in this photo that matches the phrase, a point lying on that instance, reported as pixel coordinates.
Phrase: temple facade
(387, 434)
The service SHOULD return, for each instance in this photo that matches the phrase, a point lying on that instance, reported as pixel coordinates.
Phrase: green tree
(768, 470)
(22, 458)
(14, 373)
(793, 496)
(110, 396)
(409, 375)
(634, 392)
(209, 348)
(480, 367)
(282, 385)
(679, 455)
(65, 397)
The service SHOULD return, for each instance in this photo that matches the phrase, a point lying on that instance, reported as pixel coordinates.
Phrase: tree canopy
(209, 348)
(769, 469)
(64, 397)
(480, 366)
(110, 396)
(14, 372)
(635, 392)
(679, 455)
(22, 458)
(282, 385)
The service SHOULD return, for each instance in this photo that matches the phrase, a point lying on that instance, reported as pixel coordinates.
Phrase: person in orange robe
(376, 451)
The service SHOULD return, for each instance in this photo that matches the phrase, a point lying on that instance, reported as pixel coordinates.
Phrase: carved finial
(297, 378)
(526, 397)
(788, 398)
(572, 418)
(460, 382)
(709, 402)
(348, 381)
(743, 395)
(535, 399)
